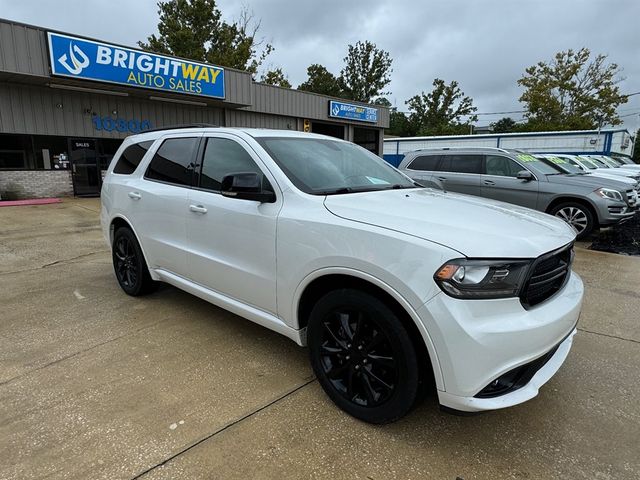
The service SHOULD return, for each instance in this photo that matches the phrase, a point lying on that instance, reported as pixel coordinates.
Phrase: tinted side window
(461, 164)
(425, 162)
(502, 166)
(131, 157)
(173, 162)
(223, 157)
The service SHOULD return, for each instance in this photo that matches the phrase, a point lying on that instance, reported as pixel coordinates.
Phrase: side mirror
(246, 186)
(525, 175)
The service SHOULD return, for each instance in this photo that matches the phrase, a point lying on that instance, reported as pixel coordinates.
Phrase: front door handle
(197, 208)
(134, 195)
(442, 178)
(488, 182)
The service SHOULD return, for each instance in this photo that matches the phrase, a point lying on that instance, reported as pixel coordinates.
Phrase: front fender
(402, 301)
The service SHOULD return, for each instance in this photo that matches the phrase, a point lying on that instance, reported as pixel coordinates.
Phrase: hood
(626, 180)
(473, 226)
(623, 183)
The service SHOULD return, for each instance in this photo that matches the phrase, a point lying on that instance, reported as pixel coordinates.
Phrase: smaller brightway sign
(90, 60)
(352, 112)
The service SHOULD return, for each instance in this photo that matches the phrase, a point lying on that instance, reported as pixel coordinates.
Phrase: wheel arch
(119, 221)
(569, 199)
(323, 281)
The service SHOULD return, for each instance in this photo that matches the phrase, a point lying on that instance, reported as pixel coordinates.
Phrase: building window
(16, 152)
(51, 153)
(366, 138)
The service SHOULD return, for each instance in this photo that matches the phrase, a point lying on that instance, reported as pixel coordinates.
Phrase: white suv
(393, 287)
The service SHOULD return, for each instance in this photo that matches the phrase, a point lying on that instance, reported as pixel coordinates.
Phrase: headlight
(609, 193)
(478, 279)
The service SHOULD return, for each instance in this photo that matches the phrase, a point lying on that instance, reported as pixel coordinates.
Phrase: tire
(577, 215)
(354, 337)
(129, 264)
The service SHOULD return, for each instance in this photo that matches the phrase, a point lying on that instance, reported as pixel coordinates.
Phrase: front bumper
(478, 341)
(611, 212)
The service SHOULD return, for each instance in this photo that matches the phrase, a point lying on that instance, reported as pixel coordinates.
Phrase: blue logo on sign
(353, 112)
(86, 59)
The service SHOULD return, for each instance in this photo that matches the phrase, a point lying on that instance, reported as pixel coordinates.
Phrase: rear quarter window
(131, 158)
(424, 162)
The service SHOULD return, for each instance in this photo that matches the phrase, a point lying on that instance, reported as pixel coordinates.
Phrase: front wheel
(576, 215)
(363, 356)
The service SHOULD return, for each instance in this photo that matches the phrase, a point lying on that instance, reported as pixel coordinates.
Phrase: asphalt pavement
(96, 384)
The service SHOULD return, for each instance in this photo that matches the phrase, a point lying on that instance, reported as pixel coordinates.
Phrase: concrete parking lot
(96, 384)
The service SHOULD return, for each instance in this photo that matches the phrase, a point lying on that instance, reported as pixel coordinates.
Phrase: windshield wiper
(367, 188)
(334, 191)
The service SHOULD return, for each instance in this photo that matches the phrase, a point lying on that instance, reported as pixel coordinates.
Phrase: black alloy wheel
(129, 264)
(363, 356)
(357, 358)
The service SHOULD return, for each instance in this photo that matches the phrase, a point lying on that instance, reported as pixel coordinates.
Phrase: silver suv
(518, 177)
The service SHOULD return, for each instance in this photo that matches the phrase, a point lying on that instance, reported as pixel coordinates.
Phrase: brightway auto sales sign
(90, 60)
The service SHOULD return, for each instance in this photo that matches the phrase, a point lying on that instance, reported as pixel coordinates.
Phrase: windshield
(609, 162)
(565, 165)
(624, 161)
(537, 165)
(325, 167)
(599, 163)
(587, 162)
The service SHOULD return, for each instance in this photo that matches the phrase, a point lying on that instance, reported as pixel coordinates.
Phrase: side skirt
(254, 314)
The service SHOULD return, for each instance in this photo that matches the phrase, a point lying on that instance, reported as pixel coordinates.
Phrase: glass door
(84, 167)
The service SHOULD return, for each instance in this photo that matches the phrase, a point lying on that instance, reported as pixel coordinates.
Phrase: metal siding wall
(32, 110)
(240, 118)
(23, 50)
(296, 103)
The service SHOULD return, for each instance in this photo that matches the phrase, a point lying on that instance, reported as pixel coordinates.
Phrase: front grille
(632, 198)
(548, 275)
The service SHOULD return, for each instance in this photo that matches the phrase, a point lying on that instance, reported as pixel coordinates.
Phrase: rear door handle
(135, 195)
(197, 209)
(488, 182)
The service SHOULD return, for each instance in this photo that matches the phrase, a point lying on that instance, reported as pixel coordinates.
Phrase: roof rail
(185, 125)
(459, 148)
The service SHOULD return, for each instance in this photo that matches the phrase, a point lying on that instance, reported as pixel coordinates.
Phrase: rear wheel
(363, 356)
(576, 215)
(129, 264)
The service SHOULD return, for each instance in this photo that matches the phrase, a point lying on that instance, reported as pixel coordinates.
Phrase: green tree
(441, 111)
(572, 92)
(322, 81)
(195, 29)
(276, 77)
(382, 101)
(400, 125)
(367, 71)
(636, 147)
(504, 125)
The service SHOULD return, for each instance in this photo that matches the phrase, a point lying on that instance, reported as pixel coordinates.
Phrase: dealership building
(66, 103)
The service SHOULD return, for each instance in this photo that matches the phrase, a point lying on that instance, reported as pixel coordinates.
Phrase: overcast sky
(483, 44)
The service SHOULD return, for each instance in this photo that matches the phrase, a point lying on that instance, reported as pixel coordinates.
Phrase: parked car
(612, 162)
(592, 162)
(570, 164)
(392, 286)
(522, 179)
(625, 162)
